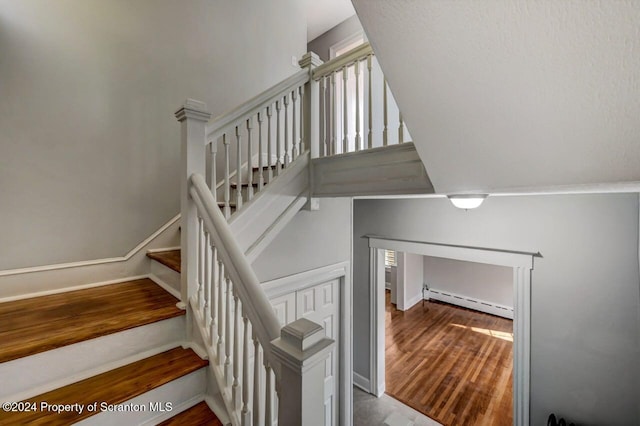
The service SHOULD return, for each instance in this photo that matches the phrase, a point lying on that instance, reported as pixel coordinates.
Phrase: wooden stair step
(245, 184)
(113, 387)
(39, 324)
(272, 167)
(199, 414)
(169, 258)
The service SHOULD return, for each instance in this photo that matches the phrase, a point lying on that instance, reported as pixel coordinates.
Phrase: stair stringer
(260, 220)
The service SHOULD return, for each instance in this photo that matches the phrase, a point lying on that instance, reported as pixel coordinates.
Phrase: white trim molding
(50, 279)
(522, 264)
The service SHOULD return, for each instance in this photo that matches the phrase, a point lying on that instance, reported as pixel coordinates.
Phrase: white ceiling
(322, 15)
(514, 95)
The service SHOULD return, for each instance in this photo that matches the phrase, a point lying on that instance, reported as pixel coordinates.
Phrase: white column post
(301, 352)
(311, 111)
(193, 117)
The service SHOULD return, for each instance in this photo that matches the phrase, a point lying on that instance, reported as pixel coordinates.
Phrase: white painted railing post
(301, 351)
(311, 111)
(193, 117)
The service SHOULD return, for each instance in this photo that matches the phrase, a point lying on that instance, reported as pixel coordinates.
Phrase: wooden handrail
(255, 104)
(356, 54)
(254, 300)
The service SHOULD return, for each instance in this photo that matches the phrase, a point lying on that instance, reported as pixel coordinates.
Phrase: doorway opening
(449, 338)
(521, 264)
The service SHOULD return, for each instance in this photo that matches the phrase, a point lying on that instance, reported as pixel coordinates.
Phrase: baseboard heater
(470, 303)
(552, 421)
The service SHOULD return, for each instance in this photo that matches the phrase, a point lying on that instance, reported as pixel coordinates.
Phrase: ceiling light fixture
(467, 201)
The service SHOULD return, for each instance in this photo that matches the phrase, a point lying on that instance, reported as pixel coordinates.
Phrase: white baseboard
(470, 303)
(361, 382)
(50, 279)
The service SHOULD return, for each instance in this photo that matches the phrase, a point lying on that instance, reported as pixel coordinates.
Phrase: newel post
(193, 117)
(311, 108)
(301, 352)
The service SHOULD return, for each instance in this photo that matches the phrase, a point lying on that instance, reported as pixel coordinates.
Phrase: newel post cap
(302, 345)
(193, 109)
(310, 59)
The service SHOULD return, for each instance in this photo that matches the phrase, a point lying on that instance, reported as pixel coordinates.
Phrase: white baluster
(332, 114)
(215, 273)
(294, 140)
(301, 147)
(345, 111)
(260, 154)
(278, 142)
(269, 396)
(212, 167)
(323, 118)
(357, 73)
(235, 389)
(249, 163)
(287, 155)
(400, 129)
(227, 182)
(385, 112)
(257, 388)
(207, 279)
(370, 99)
(222, 279)
(227, 332)
(238, 169)
(246, 414)
(200, 263)
(269, 148)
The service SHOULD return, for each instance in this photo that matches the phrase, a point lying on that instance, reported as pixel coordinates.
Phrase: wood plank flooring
(200, 414)
(113, 387)
(40, 324)
(169, 258)
(452, 364)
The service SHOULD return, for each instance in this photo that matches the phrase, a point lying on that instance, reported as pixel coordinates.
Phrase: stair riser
(180, 394)
(166, 277)
(33, 375)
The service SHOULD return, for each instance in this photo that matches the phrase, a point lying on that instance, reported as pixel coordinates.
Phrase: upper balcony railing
(356, 108)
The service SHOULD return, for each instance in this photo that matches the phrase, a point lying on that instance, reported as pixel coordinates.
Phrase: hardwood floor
(170, 258)
(111, 388)
(453, 364)
(31, 326)
(200, 414)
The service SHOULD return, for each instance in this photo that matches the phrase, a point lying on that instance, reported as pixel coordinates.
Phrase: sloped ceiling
(514, 95)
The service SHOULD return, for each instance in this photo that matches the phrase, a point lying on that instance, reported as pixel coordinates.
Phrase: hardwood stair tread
(113, 387)
(245, 184)
(272, 167)
(199, 414)
(39, 324)
(169, 258)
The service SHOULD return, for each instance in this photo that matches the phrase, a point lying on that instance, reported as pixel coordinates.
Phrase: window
(389, 258)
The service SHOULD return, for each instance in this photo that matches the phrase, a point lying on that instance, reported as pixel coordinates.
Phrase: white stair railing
(266, 374)
(355, 104)
(256, 142)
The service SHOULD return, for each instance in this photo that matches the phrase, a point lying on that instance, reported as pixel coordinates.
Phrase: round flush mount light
(467, 201)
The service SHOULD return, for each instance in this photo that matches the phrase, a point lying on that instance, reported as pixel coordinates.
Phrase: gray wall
(410, 279)
(585, 289)
(311, 240)
(89, 152)
(346, 28)
(489, 283)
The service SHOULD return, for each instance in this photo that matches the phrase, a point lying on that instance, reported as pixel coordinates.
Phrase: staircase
(199, 335)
